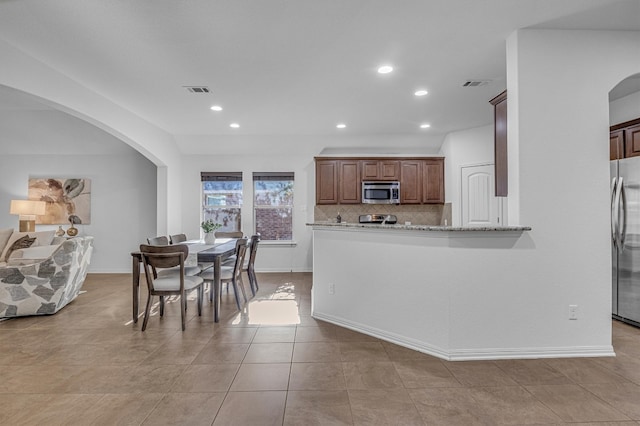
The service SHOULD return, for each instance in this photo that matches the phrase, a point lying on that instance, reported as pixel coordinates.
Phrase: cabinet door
(370, 169)
(632, 141)
(326, 182)
(433, 181)
(616, 145)
(380, 169)
(349, 182)
(500, 143)
(389, 170)
(410, 179)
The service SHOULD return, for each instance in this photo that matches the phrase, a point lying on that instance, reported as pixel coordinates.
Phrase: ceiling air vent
(197, 89)
(476, 83)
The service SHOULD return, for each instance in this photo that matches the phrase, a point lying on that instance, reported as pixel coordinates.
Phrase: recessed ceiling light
(425, 126)
(385, 69)
(234, 125)
(421, 93)
(341, 126)
(216, 108)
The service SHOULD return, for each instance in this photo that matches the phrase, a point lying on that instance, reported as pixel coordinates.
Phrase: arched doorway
(39, 141)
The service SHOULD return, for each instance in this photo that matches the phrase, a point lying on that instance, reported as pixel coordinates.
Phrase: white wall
(464, 148)
(558, 84)
(624, 109)
(122, 200)
(454, 295)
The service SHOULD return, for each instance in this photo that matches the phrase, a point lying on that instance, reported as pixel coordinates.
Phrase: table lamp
(28, 210)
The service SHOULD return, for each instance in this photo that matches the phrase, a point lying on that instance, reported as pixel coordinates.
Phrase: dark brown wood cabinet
(632, 141)
(339, 180)
(500, 143)
(433, 181)
(616, 145)
(349, 187)
(380, 169)
(326, 182)
(624, 140)
(411, 182)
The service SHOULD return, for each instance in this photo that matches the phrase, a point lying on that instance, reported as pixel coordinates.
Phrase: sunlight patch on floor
(270, 312)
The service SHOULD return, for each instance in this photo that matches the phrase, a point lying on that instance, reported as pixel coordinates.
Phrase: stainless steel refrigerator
(625, 237)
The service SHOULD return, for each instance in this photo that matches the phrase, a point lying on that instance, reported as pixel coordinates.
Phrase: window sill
(278, 243)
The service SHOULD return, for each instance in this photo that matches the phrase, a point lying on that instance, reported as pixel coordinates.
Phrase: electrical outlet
(332, 288)
(573, 312)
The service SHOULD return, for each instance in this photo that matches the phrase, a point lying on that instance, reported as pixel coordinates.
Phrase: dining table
(199, 253)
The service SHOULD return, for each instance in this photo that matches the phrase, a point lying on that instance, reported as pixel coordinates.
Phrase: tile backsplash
(417, 214)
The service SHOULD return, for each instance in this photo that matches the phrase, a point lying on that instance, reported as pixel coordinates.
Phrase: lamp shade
(27, 207)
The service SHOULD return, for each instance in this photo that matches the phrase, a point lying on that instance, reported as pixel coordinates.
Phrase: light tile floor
(275, 365)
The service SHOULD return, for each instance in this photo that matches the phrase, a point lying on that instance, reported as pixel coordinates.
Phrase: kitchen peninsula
(436, 289)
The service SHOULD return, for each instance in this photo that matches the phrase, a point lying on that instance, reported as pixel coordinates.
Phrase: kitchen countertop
(345, 225)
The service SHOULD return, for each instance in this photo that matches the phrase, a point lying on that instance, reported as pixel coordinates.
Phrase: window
(273, 205)
(222, 199)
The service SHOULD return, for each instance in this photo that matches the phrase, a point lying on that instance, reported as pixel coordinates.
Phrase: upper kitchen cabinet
(433, 181)
(616, 145)
(326, 181)
(349, 187)
(632, 141)
(380, 169)
(422, 181)
(339, 180)
(411, 182)
(624, 140)
(500, 143)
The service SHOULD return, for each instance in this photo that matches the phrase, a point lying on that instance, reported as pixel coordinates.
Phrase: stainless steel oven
(381, 192)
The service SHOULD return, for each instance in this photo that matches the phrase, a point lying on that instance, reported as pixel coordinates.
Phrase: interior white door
(479, 205)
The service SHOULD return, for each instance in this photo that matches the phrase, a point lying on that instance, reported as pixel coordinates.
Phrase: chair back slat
(255, 239)
(228, 234)
(241, 251)
(158, 241)
(168, 256)
(178, 238)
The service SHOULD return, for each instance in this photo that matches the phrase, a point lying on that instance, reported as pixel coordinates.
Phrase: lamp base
(27, 225)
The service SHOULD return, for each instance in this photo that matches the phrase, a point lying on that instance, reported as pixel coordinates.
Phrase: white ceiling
(292, 67)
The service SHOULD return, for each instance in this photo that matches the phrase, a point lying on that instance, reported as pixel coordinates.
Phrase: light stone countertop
(422, 227)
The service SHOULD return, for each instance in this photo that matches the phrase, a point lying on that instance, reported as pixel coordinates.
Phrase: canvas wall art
(68, 200)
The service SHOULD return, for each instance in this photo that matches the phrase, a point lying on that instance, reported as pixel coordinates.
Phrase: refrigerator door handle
(622, 230)
(614, 213)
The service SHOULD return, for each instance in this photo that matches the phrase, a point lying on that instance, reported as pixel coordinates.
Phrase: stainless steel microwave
(381, 192)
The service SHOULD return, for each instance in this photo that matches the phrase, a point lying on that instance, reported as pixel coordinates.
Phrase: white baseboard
(386, 336)
(471, 354)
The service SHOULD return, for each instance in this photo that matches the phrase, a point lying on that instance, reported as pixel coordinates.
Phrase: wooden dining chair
(231, 275)
(168, 258)
(231, 260)
(164, 241)
(249, 267)
(177, 239)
